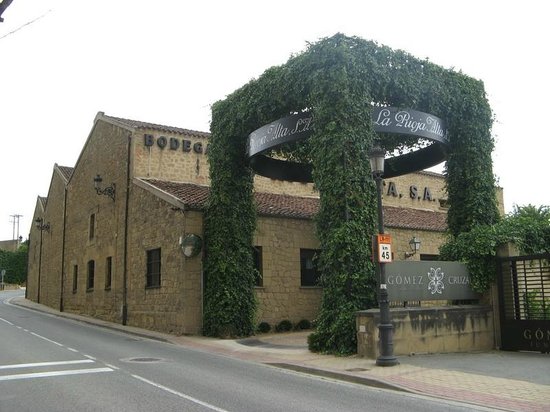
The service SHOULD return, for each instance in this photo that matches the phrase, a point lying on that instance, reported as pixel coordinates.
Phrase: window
(91, 227)
(258, 269)
(91, 273)
(308, 267)
(153, 268)
(108, 272)
(75, 278)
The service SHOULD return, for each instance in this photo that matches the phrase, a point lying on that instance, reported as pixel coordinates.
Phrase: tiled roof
(136, 124)
(66, 171)
(270, 204)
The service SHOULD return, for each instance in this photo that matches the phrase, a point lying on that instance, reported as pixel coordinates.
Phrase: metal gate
(524, 299)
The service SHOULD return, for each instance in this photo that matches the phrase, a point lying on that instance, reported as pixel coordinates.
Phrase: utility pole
(15, 222)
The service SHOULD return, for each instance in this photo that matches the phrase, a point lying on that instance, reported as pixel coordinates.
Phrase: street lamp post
(385, 327)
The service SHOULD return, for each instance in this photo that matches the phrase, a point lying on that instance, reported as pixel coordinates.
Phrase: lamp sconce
(414, 243)
(40, 225)
(108, 191)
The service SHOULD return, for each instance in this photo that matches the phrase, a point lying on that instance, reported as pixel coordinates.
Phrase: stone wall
(105, 153)
(176, 306)
(429, 330)
(52, 238)
(281, 296)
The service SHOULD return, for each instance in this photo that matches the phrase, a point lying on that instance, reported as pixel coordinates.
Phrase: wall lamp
(40, 225)
(414, 243)
(108, 191)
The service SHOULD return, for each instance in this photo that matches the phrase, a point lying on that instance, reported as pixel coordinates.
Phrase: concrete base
(442, 329)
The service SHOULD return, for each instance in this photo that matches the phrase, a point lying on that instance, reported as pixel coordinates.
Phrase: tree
(15, 264)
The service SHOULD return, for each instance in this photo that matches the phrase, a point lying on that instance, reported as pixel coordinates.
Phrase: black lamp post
(40, 225)
(385, 327)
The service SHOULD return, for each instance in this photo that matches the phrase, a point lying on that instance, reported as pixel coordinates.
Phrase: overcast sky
(167, 61)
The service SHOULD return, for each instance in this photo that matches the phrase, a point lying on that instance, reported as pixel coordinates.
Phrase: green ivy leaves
(338, 78)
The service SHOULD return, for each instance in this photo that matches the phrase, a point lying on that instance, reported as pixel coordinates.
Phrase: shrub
(284, 326)
(303, 324)
(264, 327)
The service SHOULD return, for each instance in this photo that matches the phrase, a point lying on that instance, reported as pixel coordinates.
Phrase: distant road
(50, 363)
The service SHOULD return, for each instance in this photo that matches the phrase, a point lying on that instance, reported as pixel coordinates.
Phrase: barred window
(91, 274)
(75, 278)
(258, 266)
(153, 268)
(309, 273)
(108, 272)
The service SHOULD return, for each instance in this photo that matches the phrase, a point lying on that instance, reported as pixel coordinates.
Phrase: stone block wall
(105, 153)
(176, 306)
(429, 330)
(51, 266)
(281, 296)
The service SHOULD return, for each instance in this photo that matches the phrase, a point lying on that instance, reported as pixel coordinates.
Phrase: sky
(167, 62)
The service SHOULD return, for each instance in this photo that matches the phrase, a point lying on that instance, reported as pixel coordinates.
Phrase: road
(50, 363)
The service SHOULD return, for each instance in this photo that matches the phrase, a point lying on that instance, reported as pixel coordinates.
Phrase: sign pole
(385, 328)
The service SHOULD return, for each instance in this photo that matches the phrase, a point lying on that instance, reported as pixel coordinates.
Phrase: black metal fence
(524, 301)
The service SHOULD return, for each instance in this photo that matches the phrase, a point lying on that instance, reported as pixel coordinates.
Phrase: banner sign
(408, 121)
(288, 129)
(428, 280)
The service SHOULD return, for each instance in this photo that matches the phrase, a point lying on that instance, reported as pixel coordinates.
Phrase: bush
(303, 324)
(264, 327)
(284, 326)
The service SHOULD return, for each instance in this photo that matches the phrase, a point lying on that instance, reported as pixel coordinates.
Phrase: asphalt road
(49, 363)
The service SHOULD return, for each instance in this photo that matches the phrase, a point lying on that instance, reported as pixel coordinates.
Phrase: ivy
(528, 227)
(337, 79)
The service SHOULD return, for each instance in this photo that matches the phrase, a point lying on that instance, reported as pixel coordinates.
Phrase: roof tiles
(270, 204)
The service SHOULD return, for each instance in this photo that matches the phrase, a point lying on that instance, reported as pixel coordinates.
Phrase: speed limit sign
(384, 248)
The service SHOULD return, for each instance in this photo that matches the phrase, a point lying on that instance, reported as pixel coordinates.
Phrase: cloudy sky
(167, 61)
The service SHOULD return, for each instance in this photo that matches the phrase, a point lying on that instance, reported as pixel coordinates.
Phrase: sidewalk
(510, 381)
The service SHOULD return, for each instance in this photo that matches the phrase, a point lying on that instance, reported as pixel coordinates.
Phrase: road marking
(112, 366)
(181, 395)
(7, 321)
(72, 350)
(89, 357)
(39, 364)
(46, 339)
(56, 373)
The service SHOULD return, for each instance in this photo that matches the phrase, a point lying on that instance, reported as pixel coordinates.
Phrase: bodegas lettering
(174, 143)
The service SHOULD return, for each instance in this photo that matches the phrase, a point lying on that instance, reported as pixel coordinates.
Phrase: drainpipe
(125, 262)
(61, 306)
(39, 266)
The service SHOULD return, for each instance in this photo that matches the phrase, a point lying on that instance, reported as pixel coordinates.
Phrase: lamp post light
(385, 327)
(40, 225)
(107, 191)
(414, 243)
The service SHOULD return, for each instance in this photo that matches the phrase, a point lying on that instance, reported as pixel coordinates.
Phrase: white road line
(46, 339)
(7, 321)
(88, 356)
(112, 366)
(181, 395)
(55, 373)
(72, 350)
(39, 364)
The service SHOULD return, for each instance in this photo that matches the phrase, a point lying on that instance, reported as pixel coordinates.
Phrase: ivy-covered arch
(337, 79)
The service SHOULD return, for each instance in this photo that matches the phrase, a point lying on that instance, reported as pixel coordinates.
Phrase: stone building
(109, 238)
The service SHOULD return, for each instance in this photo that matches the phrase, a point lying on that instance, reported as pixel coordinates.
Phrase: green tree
(527, 226)
(15, 264)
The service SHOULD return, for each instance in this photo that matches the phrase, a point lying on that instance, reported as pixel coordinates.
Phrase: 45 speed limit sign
(384, 248)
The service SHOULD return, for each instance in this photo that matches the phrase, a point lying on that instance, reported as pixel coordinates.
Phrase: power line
(26, 24)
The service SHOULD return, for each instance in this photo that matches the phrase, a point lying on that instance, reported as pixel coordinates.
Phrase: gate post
(503, 251)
